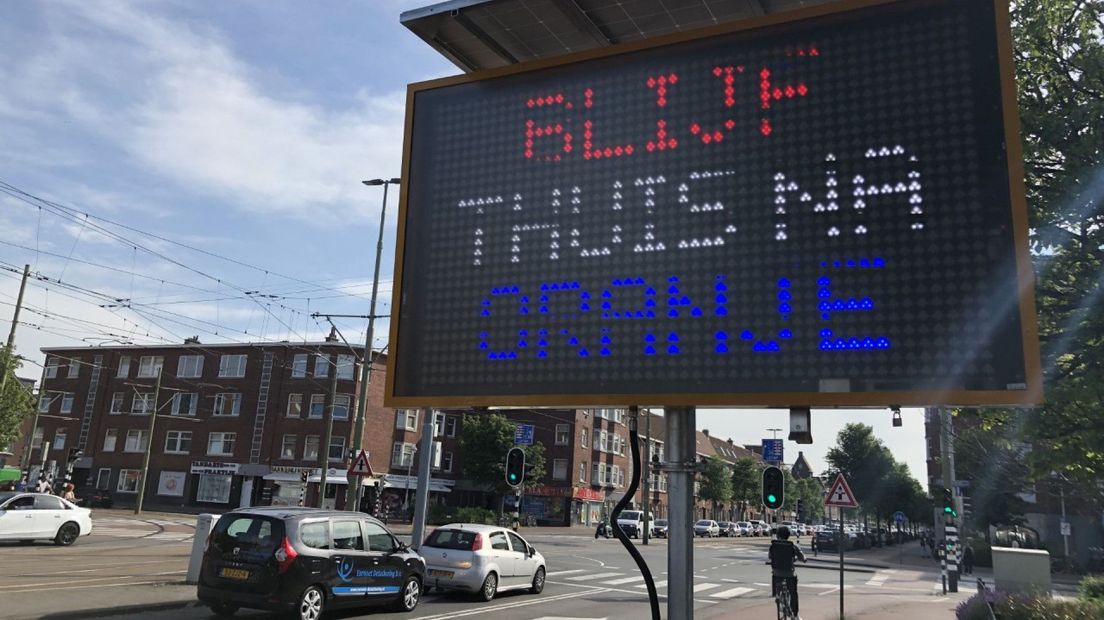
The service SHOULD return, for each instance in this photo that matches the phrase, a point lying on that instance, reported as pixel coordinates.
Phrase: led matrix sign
(814, 212)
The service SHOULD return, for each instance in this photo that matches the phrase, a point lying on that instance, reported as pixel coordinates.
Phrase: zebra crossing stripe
(733, 593)
(566, 572)
(621, 582)
(658, 584)
(598, 576)
(706, 586)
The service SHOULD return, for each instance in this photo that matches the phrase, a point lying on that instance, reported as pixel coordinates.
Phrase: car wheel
(311, 603)
(67, 534)
(224, 609)
(538, 581)
(410, 594)
(489, 587)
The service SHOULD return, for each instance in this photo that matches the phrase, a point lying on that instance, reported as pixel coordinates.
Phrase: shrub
(474, 515)
(1092, 588)
(976, 607)
(440, 515)
(1045, 608)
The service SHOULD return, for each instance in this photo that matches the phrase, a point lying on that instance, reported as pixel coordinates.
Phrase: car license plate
(441, 573)
(234, 573)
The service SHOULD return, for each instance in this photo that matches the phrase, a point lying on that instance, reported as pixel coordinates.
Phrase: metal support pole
(352, 499)
(425, 462)
(324, 449)
(680, 467)
(840, 543)
(149, 445)
(1065, 536)
(950, 531)
(646, 465)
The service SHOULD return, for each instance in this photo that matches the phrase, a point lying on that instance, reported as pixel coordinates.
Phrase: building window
(36, 439)
(213, 488)
(613, 415)
(563, 434)
(341, 406)
(295, 405)
(310, 448)
(287, 448)
(337, 449)
(221, 444)
(185, 403)
(128, 480)
(322, 366)
(345, 367)
(406, 419)
(227, 404)
(559, 469)
(59, 439)
(446, 462)
(103, 479)
(190, 366)
(136, 441)
(117, 402)
(402, 454)
(110, 437)
(44, 404)
(438, 424)
(74, 369)
(123, 373)
(150, 366)
(450, 425)
(299, 366)
(586, 442)
(232, 366)
(67, 403)
(317, 405)
(142, 403)
(582, 471)
(51, 367)
(178, 442)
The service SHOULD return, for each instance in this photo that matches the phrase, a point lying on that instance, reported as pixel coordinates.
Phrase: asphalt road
(127, 562)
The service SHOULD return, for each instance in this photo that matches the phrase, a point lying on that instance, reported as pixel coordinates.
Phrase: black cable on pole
(634, 448)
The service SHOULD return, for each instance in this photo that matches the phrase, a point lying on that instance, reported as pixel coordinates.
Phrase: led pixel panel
(811, 212)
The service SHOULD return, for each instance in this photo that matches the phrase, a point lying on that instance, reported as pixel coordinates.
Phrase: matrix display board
(824, 209)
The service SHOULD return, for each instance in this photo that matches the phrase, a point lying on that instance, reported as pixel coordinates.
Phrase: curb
(846, 568)
(116, 611)
(835, 563)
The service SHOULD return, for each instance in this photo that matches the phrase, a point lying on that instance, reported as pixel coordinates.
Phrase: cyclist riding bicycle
(783, 555)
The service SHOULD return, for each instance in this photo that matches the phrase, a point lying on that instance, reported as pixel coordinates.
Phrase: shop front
(586, 506)
(212, 484)
(337, 480)
(398, 493)
(286, 486)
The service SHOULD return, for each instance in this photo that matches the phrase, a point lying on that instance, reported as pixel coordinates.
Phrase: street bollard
(204, 524)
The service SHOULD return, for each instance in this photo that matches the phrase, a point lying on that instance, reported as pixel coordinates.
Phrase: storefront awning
(8, 474)
(404, 482)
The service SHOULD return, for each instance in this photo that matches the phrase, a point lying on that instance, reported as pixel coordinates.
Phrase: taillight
(285, 555)
(477, 544)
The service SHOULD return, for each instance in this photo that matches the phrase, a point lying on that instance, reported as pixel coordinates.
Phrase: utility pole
(25, 465)
(950, 527)
(645, 471)
(681, 466)
(149, 445)
(324, 450)
(9, 351)
(425, 462)
(352, 499)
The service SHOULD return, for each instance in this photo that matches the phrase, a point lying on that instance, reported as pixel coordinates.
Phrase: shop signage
(215, 468)
(590, 494)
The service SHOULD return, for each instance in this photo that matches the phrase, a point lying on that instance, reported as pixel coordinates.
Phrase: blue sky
(241, 129)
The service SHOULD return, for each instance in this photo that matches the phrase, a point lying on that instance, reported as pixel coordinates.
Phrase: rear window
(461, 540)
(661, 521)
(252, 532)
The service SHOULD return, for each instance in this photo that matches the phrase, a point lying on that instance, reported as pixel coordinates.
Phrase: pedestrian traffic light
(946, 497)
(799, 505)
(774, 492)
(515, 467)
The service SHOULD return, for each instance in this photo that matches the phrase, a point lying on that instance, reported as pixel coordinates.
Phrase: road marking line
(706, 586)
(877, 580)
(658, 584)
(621, 582)
(566, 572)
(598, 576)
(733, 593)
(493, 608)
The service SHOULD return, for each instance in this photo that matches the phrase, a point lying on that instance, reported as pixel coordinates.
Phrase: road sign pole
(421, 494)
(680, 468)
(839, 543)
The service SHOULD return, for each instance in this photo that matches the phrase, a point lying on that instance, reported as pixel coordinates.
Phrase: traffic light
(774, 491)
(946, 498)
(75, 453)
(515, 467)
(799, 506)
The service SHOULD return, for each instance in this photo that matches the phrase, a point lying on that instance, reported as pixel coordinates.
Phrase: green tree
(811, 494)
(994, 463)
(1060, 74)
(486, 439)
(715, 481)
(863, 460)
(747, 478)
(16, 403)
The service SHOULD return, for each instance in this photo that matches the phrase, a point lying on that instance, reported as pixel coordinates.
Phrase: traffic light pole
(680, 467)
(425, 462)
(950, 528)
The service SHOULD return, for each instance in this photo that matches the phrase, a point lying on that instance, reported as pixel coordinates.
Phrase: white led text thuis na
(891, 180)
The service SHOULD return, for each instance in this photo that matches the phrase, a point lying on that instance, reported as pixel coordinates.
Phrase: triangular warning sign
(361, 466)
(840, 495)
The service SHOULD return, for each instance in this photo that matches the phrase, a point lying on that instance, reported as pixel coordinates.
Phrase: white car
(41, 516)
(483, 559)
(707, 527)
(744, 528)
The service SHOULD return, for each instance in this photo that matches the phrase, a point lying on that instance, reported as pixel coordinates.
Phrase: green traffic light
(771, 498)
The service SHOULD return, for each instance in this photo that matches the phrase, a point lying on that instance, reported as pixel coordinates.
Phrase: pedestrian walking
(924, 546)
(968, 560)
(69, 495)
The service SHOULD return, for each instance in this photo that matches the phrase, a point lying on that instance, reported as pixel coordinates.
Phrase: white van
(631, 522)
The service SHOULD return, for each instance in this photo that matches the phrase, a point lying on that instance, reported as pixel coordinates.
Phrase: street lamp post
(353, 493)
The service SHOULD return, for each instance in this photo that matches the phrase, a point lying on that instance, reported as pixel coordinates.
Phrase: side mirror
(532, 551)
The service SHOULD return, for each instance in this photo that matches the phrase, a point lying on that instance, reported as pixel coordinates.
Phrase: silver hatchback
(482, 559)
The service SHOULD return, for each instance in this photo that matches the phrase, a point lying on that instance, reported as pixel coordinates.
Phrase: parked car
(796, 529)
(306, 561)
(27, 517)
(94, 498)
(483, 559)
(707, 527)
(659, 528)
(826, 540)
(631, 522)
(744, 528)
(761, 528)
(727, 529)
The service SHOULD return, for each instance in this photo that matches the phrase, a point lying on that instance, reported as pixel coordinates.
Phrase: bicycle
(782, 601)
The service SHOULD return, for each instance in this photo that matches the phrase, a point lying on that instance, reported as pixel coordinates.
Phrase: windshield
(661, 521)
(460, 540)
(704, 522)
(629, 515)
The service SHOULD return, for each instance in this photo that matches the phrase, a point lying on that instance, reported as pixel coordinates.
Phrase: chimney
(705, 431)
(730, 442)
(192, 340)
(333, 335)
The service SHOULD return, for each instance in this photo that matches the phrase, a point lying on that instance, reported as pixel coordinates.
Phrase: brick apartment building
(240, 424)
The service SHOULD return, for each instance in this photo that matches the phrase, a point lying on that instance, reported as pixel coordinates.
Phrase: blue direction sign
(899, 517)
(523, 435)
(772, 450)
